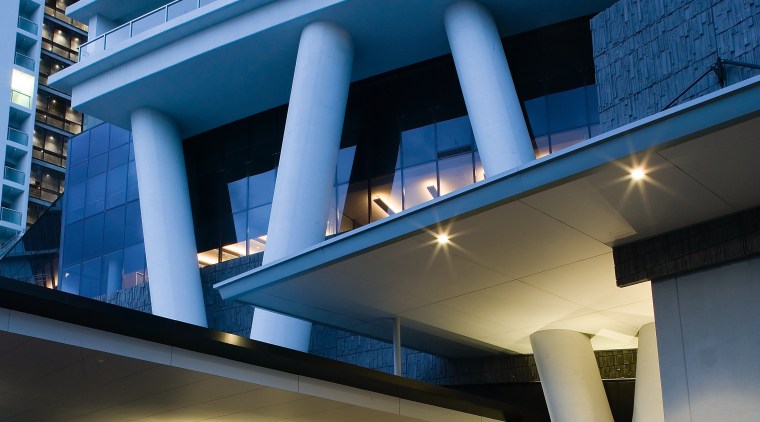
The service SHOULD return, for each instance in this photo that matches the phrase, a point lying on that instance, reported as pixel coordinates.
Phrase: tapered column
(570, 376)
(175, 284)
(308, 159)
(647, 399)
(489, 92)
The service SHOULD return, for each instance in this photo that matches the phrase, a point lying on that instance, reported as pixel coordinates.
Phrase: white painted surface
(570, 376)
(175, 284)
(489, 92)
(99, 25)
(307, 164)
(647, 399)
(708, 341)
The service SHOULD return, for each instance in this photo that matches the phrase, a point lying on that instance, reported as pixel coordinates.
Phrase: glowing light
(442, 239)
(637, 174)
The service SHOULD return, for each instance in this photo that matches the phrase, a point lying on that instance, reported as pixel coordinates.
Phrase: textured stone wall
(228, 315)
(647, 51)
(137, 298)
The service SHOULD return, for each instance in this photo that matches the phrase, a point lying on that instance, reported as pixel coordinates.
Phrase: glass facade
(61, 40)
(406, 140)
(102, 239)
(49, 146)
(57, 112)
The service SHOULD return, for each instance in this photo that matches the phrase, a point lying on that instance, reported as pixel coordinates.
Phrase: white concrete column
(647, 399)
(489, 92)
(175, 283)
(99, 25)
(570, 376)
(308, 159)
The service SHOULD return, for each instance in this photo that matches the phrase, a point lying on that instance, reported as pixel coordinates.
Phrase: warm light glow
(637, 174)
(442, 239)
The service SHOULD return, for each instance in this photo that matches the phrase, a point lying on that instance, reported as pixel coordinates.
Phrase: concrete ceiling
(44, 380)
(538, 261)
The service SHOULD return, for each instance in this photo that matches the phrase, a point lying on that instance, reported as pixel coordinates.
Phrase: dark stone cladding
(715, 242)
(647, 51)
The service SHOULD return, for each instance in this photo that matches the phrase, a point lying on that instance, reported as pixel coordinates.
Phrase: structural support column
(489, 92)
(570, 376)
(397, 370)
(647, 399)
(175, 283)
(308, 159)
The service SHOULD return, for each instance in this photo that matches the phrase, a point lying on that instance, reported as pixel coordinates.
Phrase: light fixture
(637, 174)
(442, 238)
(433, 191)
(383, 206)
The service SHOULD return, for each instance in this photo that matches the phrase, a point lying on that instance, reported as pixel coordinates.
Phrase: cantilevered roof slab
(530, 249)
(66, 357)
(230, 59)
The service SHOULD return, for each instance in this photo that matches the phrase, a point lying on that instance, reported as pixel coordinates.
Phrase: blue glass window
(133, 228)
(118, 156)
(418, 146)
(70, 279)
(113, 230)
(89, 285)
(92, 245)
(72, 244)
(99, 140)
(97, 165)
(96, 195)
(132, 189)
(75, 196)
(79, 147)
(261, 188)
(116, 186)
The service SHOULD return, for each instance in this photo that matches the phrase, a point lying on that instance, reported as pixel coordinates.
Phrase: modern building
(468, 180)
(39, 40)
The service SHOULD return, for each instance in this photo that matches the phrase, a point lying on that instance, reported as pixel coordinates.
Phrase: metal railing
(10, 215)
(27, 25)
(14, 175)
(21, 99)
(17, 136)
(24, 61)
(141, 24)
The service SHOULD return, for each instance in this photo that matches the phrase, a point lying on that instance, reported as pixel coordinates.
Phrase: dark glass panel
(418, 146)
(133, 224)
(97, 165)
(72, 244)
(99, 140)
(90, 279)
(454, 135)
(115, 222)
(132, 189)
(77, 173)
(96, 195)
(111, 274)
(92, 245)
(135, 270)
(455, 173)
(70, 279)
(261, 188)
(116, 186)
(118, 156)
(75, 197)
(118, 137)
(80, 148)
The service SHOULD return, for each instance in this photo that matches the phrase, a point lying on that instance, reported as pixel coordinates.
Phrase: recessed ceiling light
(442, 239)
(637, 174)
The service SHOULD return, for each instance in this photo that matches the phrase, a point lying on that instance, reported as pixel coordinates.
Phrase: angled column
(308, 159)
(570, 376)
(175, 283)
(489, 92)
(647, 398)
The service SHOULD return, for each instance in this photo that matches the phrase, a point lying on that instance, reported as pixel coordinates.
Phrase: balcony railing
(11, 216)
(27, 25)
(143, 23)
(17, 136)
(13, 175)
(21, 99)
(24, 61)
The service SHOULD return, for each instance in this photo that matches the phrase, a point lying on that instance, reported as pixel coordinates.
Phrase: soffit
(539, 259)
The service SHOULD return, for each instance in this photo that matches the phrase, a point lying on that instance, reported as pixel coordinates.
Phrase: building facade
(39, 119)
(428, 192)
